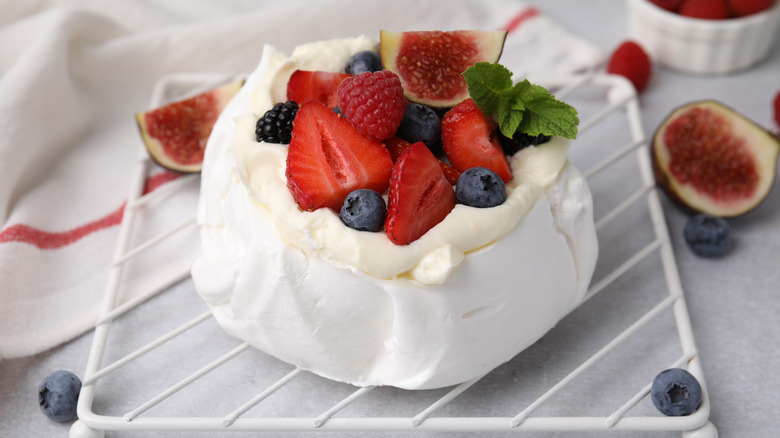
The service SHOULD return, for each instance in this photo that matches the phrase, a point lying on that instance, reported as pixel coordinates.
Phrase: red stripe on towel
(53, 240)
(520, 18)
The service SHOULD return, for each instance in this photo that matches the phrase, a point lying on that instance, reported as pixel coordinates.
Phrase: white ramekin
(699, 46)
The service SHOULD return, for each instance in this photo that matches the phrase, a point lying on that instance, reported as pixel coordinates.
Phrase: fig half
(711, 159)
(430, 63)
(176, 134)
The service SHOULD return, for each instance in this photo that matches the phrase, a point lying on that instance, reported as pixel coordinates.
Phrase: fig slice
(430, 63)
(176, 134)
(708, 158)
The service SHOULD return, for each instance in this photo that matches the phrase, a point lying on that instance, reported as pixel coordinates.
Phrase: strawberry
(669, 5)
(327, 158)
(742, 8)
(420, 195)
(450, 172)
(631, 61)
(705, 9)
(306, 85)
(470, 140)
(776, 104)
(397, 145)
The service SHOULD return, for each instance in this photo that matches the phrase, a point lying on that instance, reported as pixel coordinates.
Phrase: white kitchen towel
(72, 75)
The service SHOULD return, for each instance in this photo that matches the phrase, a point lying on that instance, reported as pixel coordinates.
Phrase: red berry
(306, 85)
(631, 61)
(742, 8)
(705, 9)
(397, 145)
(374, 102)
(777, 109)
(420, 196)
(327, 159)
(450, 172)
(470, 140)
(669, 5)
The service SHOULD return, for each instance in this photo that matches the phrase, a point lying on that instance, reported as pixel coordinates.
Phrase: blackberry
(520, 140)
(276, 124)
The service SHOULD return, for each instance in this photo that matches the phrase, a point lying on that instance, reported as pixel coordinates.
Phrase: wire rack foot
(79, 429)
(706, 431)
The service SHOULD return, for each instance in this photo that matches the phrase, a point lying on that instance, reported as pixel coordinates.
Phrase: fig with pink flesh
(176, 134)
(430, 63)
(711, 159)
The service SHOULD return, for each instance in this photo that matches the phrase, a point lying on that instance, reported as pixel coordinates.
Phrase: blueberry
(364, 210)
(480, 187)
(420, 123)
(362, 62)
(707, 236)
(675, 392)
(58, 395)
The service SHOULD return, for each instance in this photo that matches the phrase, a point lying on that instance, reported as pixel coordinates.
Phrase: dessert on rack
(394, 212)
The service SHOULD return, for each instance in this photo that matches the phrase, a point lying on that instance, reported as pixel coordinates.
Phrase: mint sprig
(522, 106)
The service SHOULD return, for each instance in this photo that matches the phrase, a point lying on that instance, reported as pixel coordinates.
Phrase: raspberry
(741, 8)
(705, 9)
(631, 61)
(374, 102)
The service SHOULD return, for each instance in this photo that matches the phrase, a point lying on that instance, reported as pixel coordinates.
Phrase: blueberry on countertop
(480, 187)
(362, 62)
(364, 210)
(420, 123)
(708, 236)
(58, 395)
(675, 392)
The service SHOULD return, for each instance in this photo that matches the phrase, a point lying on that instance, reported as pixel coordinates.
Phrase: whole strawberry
(669, 5)
(742, 8)
(374, 102)
(705, 9)
(777, 108)
(631, 61)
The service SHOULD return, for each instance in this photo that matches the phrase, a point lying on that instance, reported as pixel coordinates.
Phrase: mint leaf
(487, 84)
(510, 113)
(544, 114)
(523, 106)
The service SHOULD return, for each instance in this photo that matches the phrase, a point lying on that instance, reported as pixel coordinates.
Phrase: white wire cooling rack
(521, 396)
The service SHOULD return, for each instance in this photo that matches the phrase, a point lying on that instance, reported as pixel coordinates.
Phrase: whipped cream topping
(467, 296)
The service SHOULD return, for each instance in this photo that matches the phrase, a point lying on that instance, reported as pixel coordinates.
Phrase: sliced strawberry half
(398, 145)
(470, 139)
(305, 85)
(327, 159)
(420, 195)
